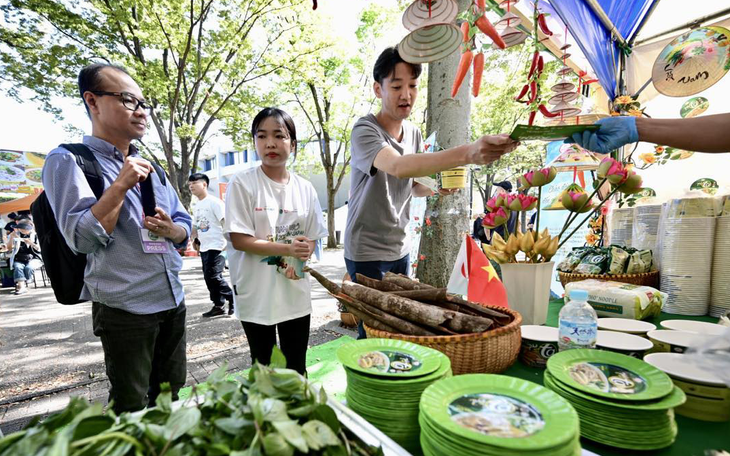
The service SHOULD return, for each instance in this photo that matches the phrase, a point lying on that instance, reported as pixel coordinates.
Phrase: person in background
(503, 188)
(25, 254)
(479, 232)
(698, 134)
(384, 163)
(273, 219)
(132, 271)
(208, 231)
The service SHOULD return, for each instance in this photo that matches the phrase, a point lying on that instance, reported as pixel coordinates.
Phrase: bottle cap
(579, 295)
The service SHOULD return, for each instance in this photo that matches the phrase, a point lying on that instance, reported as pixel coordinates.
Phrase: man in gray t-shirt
(384, 161)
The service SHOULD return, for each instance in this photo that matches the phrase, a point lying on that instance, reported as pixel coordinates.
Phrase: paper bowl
(626, 344)
(673, 341)
(538, 344)
(708, 398)
(626, 325)
(700, 327)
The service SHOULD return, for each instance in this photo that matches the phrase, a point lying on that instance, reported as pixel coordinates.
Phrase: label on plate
(607, 378)
(389, 362)
(496, 415)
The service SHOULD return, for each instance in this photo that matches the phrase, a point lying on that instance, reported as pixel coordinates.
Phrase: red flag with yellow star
(483, 284)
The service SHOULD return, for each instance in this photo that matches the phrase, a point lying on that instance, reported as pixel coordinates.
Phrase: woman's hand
(301, 248)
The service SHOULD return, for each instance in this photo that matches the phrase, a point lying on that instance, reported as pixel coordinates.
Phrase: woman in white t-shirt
(272, 220)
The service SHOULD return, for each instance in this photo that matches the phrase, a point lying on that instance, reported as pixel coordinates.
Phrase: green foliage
(276, 413)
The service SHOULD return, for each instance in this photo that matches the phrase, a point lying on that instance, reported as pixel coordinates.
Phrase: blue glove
(613, 133)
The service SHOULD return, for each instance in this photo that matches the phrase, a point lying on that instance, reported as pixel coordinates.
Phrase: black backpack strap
(160, 173)
(89, 165)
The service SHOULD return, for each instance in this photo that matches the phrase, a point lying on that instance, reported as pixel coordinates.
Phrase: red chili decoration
(544, 111)
(523, 92)
(533, 91)
(540, 65)
(478, 70)
(488, 29)
(533, 65)
(531, 120)
(481, 4)
(314, 6)
(461, 71)
(465, 31)
(543, 25)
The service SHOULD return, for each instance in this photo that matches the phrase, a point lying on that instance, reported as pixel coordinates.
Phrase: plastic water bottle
(578, 327)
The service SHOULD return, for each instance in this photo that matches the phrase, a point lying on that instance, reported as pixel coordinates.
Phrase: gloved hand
(613, 133)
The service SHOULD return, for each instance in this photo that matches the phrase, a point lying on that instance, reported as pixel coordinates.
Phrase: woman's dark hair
(199, 176)
(90, 78)
(282, 117)
(385, 65)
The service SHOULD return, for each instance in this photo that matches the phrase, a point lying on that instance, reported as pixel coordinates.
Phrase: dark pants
(376, 270)
(293, 340)
(140, 352)
(213, 265)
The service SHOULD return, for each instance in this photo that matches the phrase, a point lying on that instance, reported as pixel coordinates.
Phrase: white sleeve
(239, 216)
(219, 210)
(316, 228)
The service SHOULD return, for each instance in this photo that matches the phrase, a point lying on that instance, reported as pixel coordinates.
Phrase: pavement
(49, 354)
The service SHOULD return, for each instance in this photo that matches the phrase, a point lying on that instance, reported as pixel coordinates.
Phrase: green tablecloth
(694, 436)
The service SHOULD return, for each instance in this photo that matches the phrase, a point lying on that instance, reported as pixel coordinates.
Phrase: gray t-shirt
(379, 204)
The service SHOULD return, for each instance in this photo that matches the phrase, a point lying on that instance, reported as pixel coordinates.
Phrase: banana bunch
(539, 248)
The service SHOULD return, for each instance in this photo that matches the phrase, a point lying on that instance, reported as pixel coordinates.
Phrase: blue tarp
(599, 48)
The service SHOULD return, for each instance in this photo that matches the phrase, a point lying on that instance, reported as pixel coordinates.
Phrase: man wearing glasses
(132, 270)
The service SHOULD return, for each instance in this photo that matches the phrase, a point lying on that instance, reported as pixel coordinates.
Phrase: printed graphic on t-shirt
(203, 224)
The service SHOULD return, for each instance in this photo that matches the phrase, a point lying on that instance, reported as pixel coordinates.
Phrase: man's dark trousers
(140, 352)
(376, 270)
(213, 265)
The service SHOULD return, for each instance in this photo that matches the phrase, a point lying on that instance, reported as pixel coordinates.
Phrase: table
(694, 436)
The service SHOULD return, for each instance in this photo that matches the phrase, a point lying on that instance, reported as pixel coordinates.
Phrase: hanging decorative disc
(512, 36)
(430, 43)
(510, 19)
(692, 62)
(565, 109)
(564, 71)
(584, 119)
(417, 15)
(507, 4)
(564, 47)
(564, 97)
(563, 86)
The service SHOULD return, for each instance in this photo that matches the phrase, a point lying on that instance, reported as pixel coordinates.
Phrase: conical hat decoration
(692, 62)
(563, 86)
(572, 157)
(429, 12)
(564, 71)
(557, 203)
(509, 19)
(584, 119)
(565, 109)
(508, 4)
(565, 97)
(430, 43)
(512, 36)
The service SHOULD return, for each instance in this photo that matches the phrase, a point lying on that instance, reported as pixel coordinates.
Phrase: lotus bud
(552, 249)
(521, 202)
(612, 170)
(577, 201)
(632, 185)
(497, 218)
(527, 243)
(498, 242)
(513, 246)
(544, 234)
(538, 178)
(494, 203)
(541, 245)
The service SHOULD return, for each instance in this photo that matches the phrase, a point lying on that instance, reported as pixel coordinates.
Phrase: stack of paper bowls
(720, 295)
(483, 414)
(385, 379)
(620, 226)
(645, 228)
(622, 401)
(688, 238)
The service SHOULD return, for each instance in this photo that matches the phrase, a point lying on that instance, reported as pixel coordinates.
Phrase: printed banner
(20, 172)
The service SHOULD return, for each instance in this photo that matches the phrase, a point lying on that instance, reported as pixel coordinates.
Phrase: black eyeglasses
(128, 100)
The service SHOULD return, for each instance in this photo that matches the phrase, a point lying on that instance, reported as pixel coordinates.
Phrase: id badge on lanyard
(151, 242)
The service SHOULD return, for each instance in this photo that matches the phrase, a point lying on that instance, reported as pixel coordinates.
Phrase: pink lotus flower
(612, 170)
(521, 202)
(632, 184)
(495, 202)
(497, 218)
(539, 177)
(575, 201)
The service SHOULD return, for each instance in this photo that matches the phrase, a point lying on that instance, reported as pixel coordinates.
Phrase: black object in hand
(148, 197)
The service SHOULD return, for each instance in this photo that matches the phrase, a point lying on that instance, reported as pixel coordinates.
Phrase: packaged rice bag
(572, 259)
(595, 262)
(639, 262)
(620, 300)
(619, 258)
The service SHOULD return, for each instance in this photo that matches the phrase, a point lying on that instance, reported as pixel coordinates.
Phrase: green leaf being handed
(277, 357)
(287, 381)
(275, 445)
(292, 432)
(319, 435)
(182, 420)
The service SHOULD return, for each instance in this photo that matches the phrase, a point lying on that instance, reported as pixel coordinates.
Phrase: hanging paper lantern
(429, 12)
(430, 43)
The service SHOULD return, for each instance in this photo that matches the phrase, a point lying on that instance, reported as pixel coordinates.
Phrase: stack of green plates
(483, 414)
(622, 401)
(385, 379)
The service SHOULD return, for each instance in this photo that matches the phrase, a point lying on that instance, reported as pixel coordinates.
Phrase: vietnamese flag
(474, 276)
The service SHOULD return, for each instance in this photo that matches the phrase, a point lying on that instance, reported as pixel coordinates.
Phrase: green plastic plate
(551, 133)
(608, 374)
(499, 411)
(389, 358)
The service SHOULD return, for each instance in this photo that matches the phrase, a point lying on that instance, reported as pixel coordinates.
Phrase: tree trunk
(331, 193)
(449, 215)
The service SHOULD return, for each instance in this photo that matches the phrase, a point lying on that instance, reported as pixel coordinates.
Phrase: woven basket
(650, 279)
(491, 351)
(348, 319)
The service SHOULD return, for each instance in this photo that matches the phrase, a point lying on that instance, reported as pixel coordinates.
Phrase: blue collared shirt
(118, 272)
